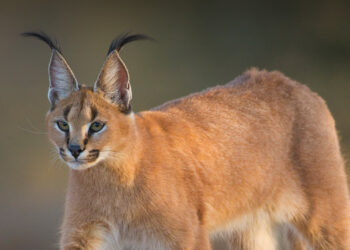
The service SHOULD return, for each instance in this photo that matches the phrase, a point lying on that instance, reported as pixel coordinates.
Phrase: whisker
(31, 128)
(32, 131)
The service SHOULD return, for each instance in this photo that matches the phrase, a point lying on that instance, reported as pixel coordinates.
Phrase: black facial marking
(67, 138)
(62, 153)
(93, 154)
(89, 133)
(82, 102)
(66, 112)
(85, 141)
(93, 113)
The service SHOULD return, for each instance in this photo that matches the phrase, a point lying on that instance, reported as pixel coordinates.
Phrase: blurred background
(199, 44)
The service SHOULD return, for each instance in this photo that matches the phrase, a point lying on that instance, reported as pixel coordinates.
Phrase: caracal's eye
(96, 126)
(62, 125)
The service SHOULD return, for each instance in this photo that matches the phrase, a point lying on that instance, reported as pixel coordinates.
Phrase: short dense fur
(256, 161)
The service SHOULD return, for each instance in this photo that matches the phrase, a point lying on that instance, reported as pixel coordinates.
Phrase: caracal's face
(89, 125)
(86, 129)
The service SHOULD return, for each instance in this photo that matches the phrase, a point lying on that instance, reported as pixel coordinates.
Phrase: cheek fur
(58, 138)
(99, 141)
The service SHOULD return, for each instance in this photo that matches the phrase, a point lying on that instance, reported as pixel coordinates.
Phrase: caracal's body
(247, 158)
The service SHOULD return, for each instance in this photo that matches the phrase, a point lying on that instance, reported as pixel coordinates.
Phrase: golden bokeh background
(199, 44)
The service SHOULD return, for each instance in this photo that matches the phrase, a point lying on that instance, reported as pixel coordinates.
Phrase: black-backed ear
(113, 81)
(62, 79)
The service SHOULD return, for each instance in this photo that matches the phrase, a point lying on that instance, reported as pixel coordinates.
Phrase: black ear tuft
(125, 38)
(45, 38)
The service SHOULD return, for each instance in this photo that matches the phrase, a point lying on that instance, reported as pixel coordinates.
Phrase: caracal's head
(89, 125)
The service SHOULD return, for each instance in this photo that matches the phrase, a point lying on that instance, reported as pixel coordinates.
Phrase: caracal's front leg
(89, 236)
(257, 237)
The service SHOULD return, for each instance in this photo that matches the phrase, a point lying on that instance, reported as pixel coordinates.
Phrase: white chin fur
(80, 166)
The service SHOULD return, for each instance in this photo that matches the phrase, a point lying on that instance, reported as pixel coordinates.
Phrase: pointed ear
(62, 79)
(113, 82)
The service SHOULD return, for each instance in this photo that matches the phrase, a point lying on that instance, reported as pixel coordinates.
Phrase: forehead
(80, 107)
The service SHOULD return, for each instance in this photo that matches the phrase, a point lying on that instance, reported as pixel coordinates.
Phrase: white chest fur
(123, 237)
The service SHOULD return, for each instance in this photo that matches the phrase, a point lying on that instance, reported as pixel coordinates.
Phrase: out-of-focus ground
(199, 44)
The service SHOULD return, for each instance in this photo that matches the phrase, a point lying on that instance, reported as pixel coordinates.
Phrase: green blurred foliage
(199, 44)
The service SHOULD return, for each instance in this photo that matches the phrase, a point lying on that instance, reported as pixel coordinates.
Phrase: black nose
(75, 150)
